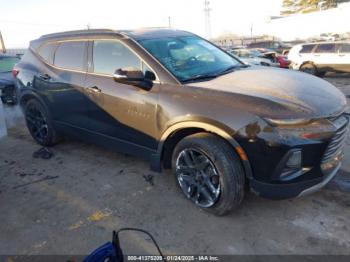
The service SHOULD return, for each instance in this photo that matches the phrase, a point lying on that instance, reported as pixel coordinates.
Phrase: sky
(24, 20)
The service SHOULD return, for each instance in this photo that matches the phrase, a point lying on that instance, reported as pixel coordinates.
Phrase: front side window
(108, 56)
(7, 63)
(71, 55)
(307, 49)
(188, 57)
(325, 48)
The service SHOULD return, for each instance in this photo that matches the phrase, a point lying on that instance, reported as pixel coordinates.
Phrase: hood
(278, 93)
(6, 79)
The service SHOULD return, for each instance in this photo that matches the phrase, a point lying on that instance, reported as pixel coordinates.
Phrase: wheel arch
(307, 62)
(178, 131)
(28, 95)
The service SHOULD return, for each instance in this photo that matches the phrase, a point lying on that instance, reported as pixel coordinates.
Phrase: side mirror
(134, 77)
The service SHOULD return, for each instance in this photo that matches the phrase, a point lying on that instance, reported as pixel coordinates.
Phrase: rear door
(344, 57)
(61, 82)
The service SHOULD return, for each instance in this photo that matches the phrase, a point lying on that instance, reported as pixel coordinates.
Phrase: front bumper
(321, 146)
(291, 190)
(294, 66)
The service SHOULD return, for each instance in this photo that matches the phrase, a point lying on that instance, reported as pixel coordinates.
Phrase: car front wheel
(308, 68)
(209, 173)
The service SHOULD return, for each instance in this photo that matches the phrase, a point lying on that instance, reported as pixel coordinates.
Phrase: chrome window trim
(157, 81)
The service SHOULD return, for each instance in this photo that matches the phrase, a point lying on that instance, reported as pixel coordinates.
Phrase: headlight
(287, 122)
(303, 128)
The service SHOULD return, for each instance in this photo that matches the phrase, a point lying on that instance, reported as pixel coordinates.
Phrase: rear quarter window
(46, 52)
(71, 55)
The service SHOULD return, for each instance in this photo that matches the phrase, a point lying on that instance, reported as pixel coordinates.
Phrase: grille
(335, 146)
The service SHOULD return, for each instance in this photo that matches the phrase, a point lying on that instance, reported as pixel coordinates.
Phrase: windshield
(188, 57)
(7, 64)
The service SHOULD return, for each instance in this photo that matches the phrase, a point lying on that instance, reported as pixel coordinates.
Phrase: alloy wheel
(198, 177)
(36, 123)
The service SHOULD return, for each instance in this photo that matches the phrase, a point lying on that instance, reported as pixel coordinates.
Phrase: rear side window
(71, 55)
(109, 56)
(46, 52)
(345, 48)
(307, 49)
(325, 48)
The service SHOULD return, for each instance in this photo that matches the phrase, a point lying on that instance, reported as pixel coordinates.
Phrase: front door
(326, 57)
(122, 112)
(344, 58)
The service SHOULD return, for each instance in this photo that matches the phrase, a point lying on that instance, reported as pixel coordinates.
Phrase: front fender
(220, 130)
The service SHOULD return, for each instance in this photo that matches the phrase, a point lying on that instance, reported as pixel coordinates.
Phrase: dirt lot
(70, 204)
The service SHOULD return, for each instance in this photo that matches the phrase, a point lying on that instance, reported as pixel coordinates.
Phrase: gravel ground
(72, 202)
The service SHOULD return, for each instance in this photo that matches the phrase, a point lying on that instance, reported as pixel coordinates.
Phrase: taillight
(15, 72)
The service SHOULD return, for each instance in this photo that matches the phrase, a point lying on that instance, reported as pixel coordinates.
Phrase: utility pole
(2, 44)
(207, 11)
(169, 21)
(251, 30)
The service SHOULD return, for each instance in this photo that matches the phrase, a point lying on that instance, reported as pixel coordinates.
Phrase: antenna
(207, 11)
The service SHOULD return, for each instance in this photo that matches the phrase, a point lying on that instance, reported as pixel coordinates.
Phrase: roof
(139, 34)
(326, 42)
(153, 33)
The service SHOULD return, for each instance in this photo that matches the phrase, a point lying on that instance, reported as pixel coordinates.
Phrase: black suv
(182, 103)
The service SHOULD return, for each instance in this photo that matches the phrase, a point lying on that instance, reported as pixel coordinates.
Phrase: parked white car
(320, 58)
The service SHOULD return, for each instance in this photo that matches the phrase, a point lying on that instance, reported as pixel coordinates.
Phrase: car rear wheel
(308, 68)
(209, 173)
(39, 124)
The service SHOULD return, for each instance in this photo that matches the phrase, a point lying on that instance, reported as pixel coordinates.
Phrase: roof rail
(80, 32)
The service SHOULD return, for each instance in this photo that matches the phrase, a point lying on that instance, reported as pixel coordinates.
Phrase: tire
(308, 68)
(223, 170)
(39, 123)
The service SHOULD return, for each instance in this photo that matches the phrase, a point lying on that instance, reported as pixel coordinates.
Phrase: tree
(306, 6)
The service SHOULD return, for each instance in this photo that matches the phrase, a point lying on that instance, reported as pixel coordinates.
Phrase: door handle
(93, 89)
(45, 77)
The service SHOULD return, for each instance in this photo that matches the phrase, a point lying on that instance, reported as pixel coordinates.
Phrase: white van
(319, 58)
